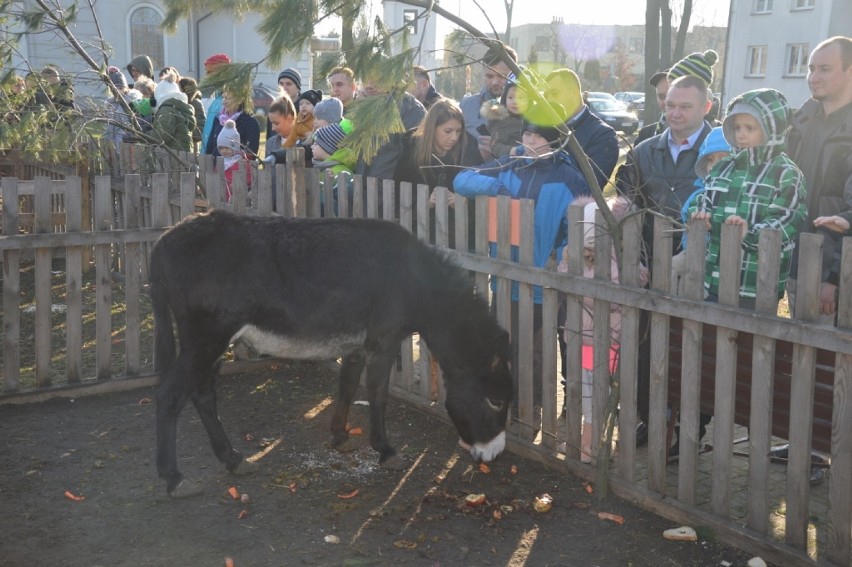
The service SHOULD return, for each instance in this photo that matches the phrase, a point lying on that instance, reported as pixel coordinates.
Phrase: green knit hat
(697, 64)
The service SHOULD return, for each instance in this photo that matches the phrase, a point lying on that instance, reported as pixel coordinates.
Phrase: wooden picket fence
(86, 329)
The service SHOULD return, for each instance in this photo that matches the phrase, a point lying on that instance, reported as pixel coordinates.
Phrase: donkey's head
(478, 401)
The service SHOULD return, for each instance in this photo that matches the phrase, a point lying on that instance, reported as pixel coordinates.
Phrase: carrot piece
(243, 513)
(611, 517)
(235, 494)
(352, 494)
(229, 562)
(356, 431)
(484, 469)
(71, 496)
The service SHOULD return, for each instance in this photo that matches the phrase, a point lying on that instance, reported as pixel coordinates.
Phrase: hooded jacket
(193, 96)
(553, 182)
(144, 64)
(505, 128)
(174, 121)
(759, 184)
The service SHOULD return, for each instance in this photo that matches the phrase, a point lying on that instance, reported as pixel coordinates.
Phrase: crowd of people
(760, 164)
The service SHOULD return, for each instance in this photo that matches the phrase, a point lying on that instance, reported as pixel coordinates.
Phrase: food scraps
(71, 496)
(474, 500)
(484, 469)
(235, 494)
(543, 503)
(348, 495)
(611, 517)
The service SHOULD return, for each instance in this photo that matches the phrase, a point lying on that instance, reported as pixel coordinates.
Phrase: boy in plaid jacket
(757, 187)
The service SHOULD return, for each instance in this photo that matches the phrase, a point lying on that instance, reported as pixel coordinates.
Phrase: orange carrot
(352, 494)
(611, 517)
(71, 496)
(356, 431)
(242, 514)
(235, 494)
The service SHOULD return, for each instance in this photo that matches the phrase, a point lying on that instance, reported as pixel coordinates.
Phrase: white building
(422, 29)
(131, 28)
(769, 42)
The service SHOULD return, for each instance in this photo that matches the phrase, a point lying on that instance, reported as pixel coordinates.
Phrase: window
(803, 4)
(756, 61)
(762, 6)
(636, 45)
(409, 18)
(797, 59)
(146, 35)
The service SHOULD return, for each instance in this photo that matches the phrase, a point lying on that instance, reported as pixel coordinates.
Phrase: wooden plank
(659, 336)
(103, 275)
(343, 195)
(601, 335)
(502, 297)
(187, 194)
(730, 260)
(74, 285)
(462, 227)
(839, 536)
(133, 277)
(263, 192)
(690, 399)
(480, 236)
(549, 413)
(406, 206)
(802, 394)
(573, 336)
(442, 217)
(43, 284)
(372, 198)
(160, 212)
(762, 386)
(357, 196)
(388, 200)
(629, 352)
(11, 289)
(298, 181)
(283, 202)
(422, 221)
(239, 192)
(525, 330)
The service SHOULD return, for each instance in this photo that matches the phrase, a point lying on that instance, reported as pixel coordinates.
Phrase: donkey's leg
(204, 399)
(350, 376)
(171, 395)
(378, 379)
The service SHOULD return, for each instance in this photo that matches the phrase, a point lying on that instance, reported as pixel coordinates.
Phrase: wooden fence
(86, 328)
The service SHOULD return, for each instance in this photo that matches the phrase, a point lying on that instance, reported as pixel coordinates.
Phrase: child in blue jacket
(547, 175)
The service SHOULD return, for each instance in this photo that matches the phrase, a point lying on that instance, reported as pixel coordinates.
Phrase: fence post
(43, 262)
(74, 283)
(522, 317)
(132, 280)
(840, 482)
(573, 354)
(103, 272)
(802, 393)
(602, 336)
(11, 290)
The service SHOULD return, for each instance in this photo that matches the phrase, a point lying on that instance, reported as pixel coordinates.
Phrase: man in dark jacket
(422, 87)
(659, 175)
(660, 82)
(598, 140)
(820, 142)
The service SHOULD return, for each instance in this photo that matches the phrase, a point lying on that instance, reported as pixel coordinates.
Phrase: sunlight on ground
(522, 552)
(318, 409)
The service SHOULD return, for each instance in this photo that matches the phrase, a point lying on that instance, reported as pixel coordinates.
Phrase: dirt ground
(306, 497)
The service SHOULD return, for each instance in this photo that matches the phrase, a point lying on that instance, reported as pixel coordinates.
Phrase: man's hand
(827, 298)
(834, 223)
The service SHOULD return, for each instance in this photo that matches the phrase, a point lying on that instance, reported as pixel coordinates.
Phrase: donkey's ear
(500, 350)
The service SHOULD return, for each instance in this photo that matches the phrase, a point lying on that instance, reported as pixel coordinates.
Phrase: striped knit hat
(328, 137)
(697, 64)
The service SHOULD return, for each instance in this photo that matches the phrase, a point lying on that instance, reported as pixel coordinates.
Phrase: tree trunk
(680, 42)
(652, 57)
(510, 6)
(665, 34)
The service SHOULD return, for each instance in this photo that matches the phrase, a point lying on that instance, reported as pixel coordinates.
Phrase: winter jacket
(822, 148)
(174, 122)
(408, 170)
(211, 117)
(383, 165)
(194, 98)
(144, 64)
(471, 106)
(652, 180)
(340, 162)
(249, 131)
(506, 129)
(119, 119)
(552, 182)
(300, 131)
(431, 97)
(599, 141)
(761, 185)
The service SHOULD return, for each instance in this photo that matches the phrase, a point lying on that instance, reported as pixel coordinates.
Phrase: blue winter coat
(552, 182)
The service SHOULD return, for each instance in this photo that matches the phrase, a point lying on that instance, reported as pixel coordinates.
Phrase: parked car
(262, 97)
(614, 114)
(634, 100)
(600, 95)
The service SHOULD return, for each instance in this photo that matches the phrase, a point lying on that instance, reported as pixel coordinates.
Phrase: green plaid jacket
(761, 185)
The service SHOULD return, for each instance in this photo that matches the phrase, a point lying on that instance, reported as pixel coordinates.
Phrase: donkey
(318, 288)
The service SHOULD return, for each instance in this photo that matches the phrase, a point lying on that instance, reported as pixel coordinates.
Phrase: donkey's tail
(164, 336)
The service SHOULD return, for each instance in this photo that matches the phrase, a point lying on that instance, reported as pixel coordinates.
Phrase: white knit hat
(229, 137)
